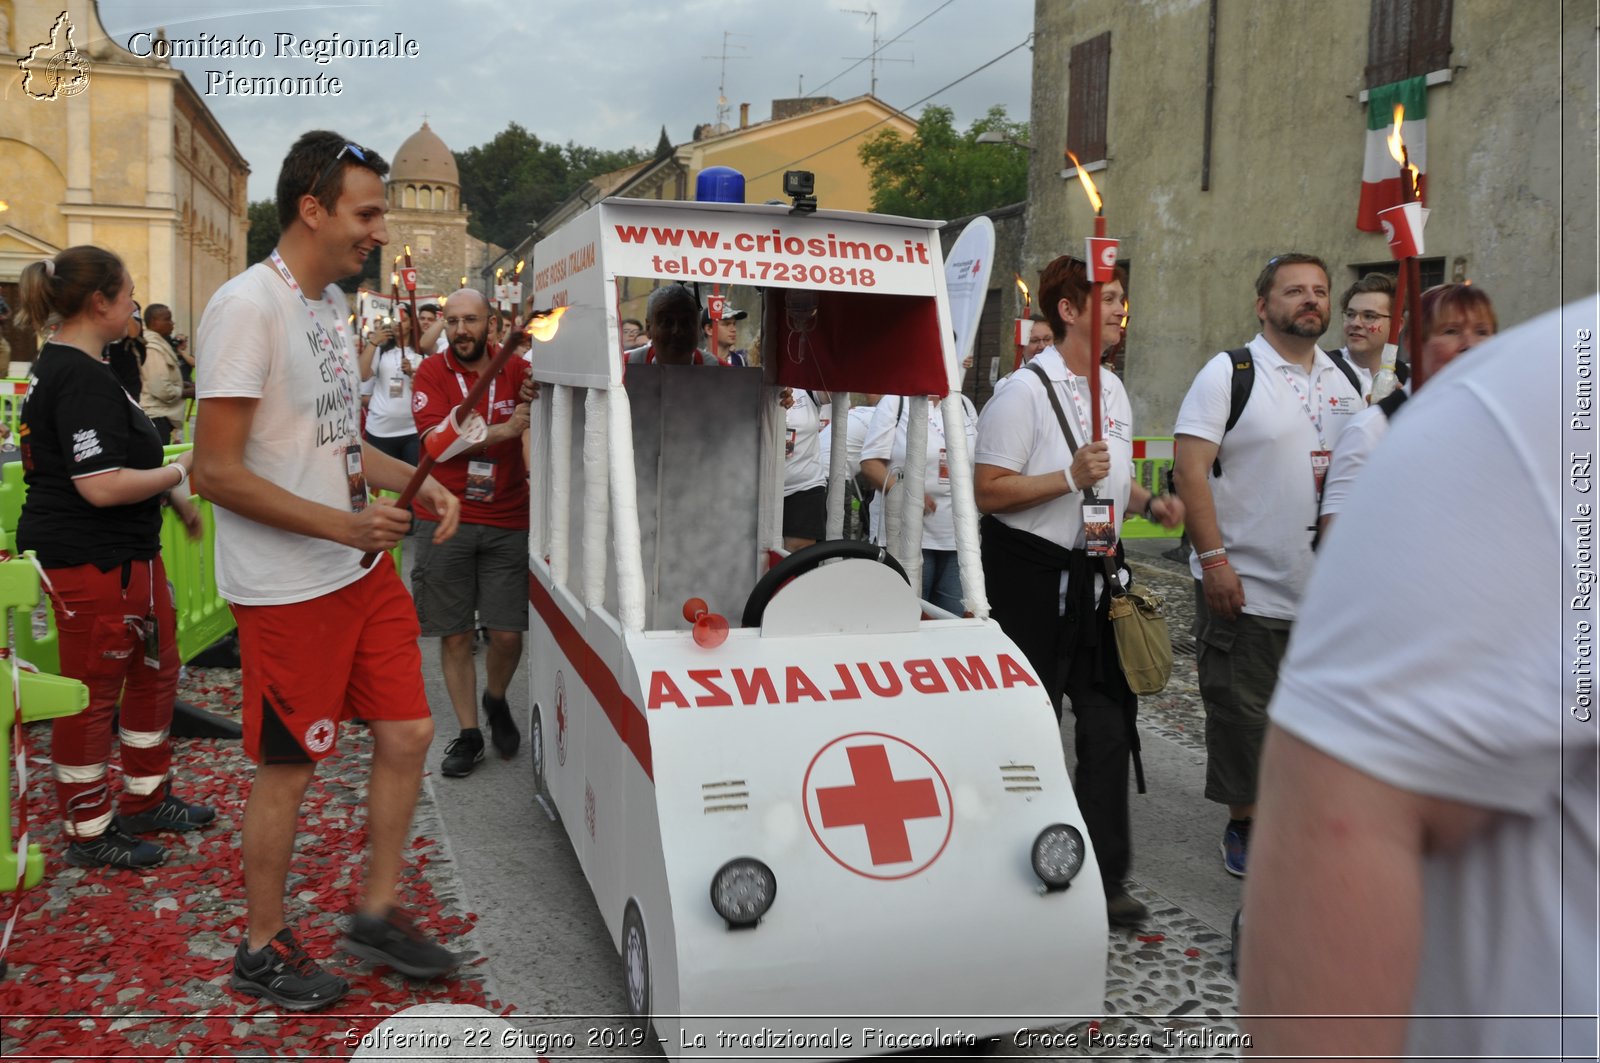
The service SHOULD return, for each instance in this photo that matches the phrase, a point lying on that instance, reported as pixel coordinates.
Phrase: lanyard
(339, 355)
(462, 382)
(1305, 403)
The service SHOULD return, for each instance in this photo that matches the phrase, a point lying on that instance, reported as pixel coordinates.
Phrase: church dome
(424, 157)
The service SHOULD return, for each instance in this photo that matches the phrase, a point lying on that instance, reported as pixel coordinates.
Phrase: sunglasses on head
(355, 151)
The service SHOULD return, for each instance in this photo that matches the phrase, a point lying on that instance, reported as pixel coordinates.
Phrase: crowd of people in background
(1269, 440)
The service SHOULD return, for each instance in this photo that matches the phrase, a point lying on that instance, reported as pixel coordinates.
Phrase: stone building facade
(100, 146)
(426, 212)
(1225, 133)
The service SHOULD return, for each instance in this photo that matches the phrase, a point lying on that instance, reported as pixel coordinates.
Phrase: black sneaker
(115, 849)
(1122, 910)
(282, 972)
(173, 813)
(395, 941)
(502, 728)
(464, 753)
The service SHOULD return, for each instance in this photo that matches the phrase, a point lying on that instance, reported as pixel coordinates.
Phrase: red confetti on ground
(1191, 953)
(1151, 938)
(117, 963)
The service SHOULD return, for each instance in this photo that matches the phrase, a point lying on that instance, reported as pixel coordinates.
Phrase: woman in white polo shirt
(386, 370)
(1045, 591)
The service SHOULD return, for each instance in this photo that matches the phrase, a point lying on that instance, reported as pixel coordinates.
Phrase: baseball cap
(727, 315)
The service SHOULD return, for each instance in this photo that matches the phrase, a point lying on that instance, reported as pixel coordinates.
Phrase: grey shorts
(479, 569)
(1238, 663)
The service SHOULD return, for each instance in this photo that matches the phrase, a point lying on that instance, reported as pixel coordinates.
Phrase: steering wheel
(804, 560)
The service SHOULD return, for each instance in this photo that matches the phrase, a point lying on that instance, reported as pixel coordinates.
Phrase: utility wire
(880, 47)
(1025, 42)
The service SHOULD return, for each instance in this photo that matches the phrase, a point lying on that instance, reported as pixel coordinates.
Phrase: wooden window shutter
(1388, 34)
(1088, 90)
(1407, 38)
(1430, 36)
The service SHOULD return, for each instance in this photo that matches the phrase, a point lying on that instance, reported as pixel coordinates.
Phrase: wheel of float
(636, 969)
(536, 748)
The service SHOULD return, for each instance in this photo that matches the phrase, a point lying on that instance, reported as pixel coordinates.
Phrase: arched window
(411, 196)
(425, 199)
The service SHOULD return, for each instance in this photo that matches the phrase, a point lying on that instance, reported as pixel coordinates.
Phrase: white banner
(776, 250)
(966, 278)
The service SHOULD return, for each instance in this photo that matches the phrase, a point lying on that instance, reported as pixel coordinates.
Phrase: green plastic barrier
(1152, 457)
(44, 697)
(12, 391)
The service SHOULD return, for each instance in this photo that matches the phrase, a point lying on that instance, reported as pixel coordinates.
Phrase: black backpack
(1244, 381)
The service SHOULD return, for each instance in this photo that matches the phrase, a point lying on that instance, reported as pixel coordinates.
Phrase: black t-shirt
(77, 420)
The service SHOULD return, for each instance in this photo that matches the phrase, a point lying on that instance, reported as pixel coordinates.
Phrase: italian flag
(1380, 174)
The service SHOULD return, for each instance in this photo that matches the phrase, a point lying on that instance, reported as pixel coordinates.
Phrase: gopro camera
(800, 186)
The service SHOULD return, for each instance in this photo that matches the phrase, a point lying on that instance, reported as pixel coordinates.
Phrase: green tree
(515, 179)
(263, 217)
(942, 173)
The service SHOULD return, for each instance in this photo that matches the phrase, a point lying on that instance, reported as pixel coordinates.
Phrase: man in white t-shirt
(883, 450)
(1425, 860)
(1251, 492)
(322, 638)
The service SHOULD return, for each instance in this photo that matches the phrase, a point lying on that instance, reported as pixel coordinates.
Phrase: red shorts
(309, 665)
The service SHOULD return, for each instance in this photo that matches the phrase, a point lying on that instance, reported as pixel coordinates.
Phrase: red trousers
(103, 647)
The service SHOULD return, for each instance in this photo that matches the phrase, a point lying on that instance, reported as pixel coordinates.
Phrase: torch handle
(425, 464)
(1096, 428)
(1413, 273)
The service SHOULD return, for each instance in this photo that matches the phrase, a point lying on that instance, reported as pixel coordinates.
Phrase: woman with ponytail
(92, 516)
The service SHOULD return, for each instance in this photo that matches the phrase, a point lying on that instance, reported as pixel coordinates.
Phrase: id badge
(152, 643)
(1100, 528)
(788, 445)
(480, 481)
(1320, 460)
(397, 385)
(354, 477)
(944, 468)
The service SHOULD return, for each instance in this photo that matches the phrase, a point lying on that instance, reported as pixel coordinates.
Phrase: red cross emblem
(878, 805)
(561, 720)
(319, 736)
(1333, 400)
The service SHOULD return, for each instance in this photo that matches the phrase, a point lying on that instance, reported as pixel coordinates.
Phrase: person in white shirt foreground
(1427, 838)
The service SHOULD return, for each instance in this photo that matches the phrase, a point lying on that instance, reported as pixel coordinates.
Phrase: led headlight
(742, 890)
(1058, 854)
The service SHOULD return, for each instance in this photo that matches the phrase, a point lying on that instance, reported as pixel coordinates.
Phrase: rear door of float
(817, 835)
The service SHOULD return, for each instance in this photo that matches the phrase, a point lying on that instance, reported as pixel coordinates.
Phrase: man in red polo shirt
(482, 572)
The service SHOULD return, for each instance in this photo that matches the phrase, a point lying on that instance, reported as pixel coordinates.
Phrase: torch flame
(408, 250)
(1088, 183)
(542, 324)
(1397, 146)
(520, 263)
(463, 280)
(499, 271)
(4, 206)
(1027, 296)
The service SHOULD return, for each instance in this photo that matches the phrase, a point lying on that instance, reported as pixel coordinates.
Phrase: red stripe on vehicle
(626, 718)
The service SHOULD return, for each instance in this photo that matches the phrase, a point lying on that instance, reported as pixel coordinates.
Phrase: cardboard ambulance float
(838, 823)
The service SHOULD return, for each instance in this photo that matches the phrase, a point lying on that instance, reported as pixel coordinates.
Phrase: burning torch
(1402, 227)
(1024, 323)
(1102, 262)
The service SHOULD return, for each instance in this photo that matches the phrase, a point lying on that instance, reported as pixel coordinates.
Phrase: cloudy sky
(606, 73)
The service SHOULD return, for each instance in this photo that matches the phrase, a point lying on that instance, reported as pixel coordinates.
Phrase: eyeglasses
(472, 321)
(356, 151)
(1366, 317)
